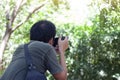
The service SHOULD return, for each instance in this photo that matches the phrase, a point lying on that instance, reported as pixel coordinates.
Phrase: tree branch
(7, 12)
(16, 9)
(29, 15)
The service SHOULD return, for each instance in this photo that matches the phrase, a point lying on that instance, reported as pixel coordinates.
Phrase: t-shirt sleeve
(52, 63)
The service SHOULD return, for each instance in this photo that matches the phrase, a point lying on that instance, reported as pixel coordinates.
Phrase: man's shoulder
(40, 45)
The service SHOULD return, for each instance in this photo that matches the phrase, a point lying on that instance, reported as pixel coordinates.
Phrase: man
(42, 52)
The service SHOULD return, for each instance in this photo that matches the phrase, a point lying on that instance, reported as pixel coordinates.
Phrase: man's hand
(62, 44)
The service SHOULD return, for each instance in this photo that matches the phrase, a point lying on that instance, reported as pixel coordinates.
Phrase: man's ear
(51, 41)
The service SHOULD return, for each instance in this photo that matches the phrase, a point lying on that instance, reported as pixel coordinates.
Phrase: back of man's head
(43, 31)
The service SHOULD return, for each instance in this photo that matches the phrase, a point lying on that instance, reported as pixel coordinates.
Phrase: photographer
(43, 54)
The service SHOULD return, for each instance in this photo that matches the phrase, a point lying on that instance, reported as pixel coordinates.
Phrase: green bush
(91, 52)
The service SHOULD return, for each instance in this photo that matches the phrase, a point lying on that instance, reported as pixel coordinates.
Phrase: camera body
(55, 41)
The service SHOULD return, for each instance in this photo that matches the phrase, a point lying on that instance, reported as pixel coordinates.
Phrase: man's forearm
(63, 63)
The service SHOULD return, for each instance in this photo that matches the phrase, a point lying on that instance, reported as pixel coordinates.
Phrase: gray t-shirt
(43, 56)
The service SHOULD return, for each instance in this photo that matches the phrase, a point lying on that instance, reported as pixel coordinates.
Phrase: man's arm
(63, 45)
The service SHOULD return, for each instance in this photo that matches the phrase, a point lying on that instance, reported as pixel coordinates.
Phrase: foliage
(93, 54)
(95, 50)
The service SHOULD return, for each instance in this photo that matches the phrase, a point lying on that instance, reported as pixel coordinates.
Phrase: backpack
(32, 73)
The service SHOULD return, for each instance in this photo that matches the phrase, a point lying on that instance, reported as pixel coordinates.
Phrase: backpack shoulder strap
(28, 57)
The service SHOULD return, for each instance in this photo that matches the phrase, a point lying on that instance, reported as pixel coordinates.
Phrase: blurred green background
(93, 28)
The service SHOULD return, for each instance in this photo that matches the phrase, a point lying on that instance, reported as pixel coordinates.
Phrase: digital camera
(55, 41)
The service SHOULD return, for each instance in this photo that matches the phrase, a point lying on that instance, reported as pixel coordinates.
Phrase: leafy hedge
(93, 54)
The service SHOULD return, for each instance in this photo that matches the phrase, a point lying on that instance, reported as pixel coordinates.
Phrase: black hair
(43, 30)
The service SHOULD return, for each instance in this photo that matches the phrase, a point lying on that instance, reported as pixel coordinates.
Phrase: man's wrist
(61, 52)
